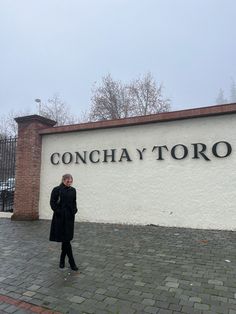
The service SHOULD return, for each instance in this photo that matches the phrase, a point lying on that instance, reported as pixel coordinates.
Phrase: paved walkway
(123, 269)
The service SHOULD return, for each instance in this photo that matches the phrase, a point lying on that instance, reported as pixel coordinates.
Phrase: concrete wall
(186, 193)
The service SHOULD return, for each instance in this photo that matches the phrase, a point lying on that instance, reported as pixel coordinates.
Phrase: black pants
(66, 249)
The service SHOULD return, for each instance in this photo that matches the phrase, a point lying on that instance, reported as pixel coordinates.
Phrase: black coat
(63, 204)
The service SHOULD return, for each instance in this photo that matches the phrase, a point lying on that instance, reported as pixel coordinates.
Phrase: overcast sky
(64, 46)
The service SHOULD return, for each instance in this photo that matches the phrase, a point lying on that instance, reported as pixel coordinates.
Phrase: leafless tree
(109, 101)
(57, 109)
(4, 128)
(115, 100)
(84, 116)
(8, 126)
(146, 96)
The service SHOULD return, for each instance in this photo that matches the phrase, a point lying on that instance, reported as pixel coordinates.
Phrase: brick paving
(122, 269)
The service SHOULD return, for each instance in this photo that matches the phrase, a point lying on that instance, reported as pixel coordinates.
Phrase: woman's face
(68, 181)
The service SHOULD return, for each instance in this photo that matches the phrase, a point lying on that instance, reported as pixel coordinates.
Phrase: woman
(63, 204)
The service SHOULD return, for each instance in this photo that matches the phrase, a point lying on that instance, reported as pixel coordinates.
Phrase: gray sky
(64, 46)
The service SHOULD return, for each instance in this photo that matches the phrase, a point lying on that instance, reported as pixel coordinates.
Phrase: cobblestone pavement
(123, 269)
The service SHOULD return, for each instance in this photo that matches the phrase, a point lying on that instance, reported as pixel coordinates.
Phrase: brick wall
(28, 162)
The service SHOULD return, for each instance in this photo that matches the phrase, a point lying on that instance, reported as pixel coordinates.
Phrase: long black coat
(62, 226)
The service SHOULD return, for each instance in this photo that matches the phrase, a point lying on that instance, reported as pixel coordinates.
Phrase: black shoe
(74, 267)
(62, 260)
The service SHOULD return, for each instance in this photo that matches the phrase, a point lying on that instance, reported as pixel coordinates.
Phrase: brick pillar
(28, 162)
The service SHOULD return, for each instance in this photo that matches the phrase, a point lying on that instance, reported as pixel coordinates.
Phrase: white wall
(184, 193)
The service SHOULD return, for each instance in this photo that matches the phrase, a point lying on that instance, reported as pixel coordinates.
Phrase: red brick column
(28, 162)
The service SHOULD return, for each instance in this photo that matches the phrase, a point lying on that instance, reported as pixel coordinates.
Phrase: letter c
(52, 158)
(91, 155)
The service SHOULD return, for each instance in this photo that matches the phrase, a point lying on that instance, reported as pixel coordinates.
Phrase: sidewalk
(123, 269)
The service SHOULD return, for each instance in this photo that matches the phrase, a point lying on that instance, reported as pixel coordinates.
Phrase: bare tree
(8, 126)
(84, 116)
(4, 128)
(57, 109)
(109, 101)
(146, 96)
(115, 100)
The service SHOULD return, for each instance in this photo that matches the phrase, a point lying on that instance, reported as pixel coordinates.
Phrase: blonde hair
(66, 176)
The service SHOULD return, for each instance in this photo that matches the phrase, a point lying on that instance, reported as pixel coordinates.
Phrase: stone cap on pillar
(35, 118)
